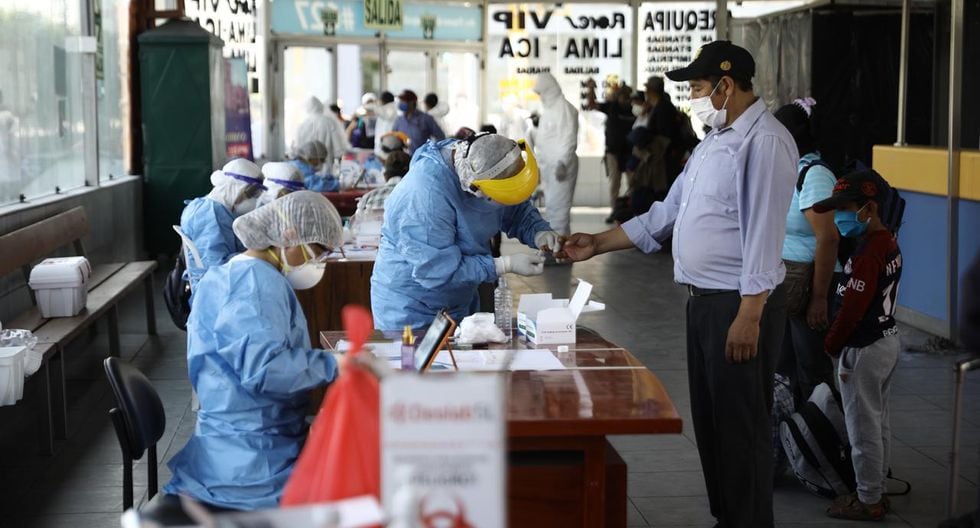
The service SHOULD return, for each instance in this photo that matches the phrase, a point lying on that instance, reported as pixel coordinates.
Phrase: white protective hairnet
(323, 128)
(369, 98)
(312, 150)
(557, 135)
(281, 178)
(302, 217)
(235, 178)
(485, 157)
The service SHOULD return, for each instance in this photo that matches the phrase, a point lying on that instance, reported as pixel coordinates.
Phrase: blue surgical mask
(403, 106)
(848, 224)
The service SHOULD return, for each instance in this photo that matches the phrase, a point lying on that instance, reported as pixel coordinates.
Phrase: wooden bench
(107, 286)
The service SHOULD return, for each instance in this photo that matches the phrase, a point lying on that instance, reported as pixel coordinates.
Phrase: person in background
(647, 178)
(387, 112)
(663, 120)
(309, 161)
(557, 139)
(418, 126)
(250, 359)
(619, 122)
(393, 142)
(438, 223)
(361, 131)
(810, 256)
(207, 221)
(338, 114)
(396, 166)
(321, 127)
(864, 336)
(437, 109)
(727, 214)
(281, 178)
(488, 128)
(464, 133)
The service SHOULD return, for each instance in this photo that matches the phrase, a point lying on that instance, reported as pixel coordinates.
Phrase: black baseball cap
(858, 187)
(717, 59)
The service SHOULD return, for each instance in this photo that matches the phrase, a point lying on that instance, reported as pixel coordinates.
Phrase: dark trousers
(730, 405)
(803, 359)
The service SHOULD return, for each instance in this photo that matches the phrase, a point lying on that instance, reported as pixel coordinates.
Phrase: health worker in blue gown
(438, 224)
(250, 359)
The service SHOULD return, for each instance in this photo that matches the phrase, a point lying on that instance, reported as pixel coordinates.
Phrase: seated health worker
(309, 160)
(207, 220)
(281, 178)
(250, 359)
(438, 222)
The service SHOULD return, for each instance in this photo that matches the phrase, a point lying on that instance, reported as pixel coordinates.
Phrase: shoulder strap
(806, 168)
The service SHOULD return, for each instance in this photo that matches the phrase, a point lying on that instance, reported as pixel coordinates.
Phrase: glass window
(111, 77)
(41, 119)
(408, 70)
(458, 76)
(307, 71)
(575, 42)
(359, 72)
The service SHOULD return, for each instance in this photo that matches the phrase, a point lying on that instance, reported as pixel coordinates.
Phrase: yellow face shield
(517, 188)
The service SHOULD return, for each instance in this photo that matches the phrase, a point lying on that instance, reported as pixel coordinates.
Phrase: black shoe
(610, 219)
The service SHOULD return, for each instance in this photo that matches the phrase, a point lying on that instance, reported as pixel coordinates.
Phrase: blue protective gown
(435, 243)
(313, 181)
(251, 363)
(208, 224)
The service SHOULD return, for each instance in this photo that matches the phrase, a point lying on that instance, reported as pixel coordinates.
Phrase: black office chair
(139, 421)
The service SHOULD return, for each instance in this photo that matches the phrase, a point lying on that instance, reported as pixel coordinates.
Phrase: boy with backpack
(864, 335)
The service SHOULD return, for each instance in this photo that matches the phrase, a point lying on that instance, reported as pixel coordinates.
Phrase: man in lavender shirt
(727, 214)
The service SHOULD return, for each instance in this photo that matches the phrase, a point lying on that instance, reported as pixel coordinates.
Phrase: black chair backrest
(139, 403)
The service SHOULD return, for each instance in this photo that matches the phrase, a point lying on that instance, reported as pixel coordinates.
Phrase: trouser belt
(701, 292)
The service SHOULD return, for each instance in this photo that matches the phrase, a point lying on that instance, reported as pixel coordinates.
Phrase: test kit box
(544, 320)
(61, 286)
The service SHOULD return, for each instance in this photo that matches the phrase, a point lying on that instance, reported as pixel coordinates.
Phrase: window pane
(307, 71)
(408, 70)
(458, 76)
(41, 120)
(112, 74)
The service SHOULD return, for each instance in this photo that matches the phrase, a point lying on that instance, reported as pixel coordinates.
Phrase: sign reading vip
(383, 14)
(443, 449)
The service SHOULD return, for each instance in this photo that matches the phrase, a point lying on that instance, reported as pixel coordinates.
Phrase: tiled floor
(80, 486)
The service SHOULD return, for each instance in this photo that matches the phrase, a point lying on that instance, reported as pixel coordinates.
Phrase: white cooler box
(11, 374)
(61, 286)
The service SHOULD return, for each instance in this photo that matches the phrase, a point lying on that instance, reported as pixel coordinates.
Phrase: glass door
(306, 71)
(408, 70)
(458, 86)
(358, 72)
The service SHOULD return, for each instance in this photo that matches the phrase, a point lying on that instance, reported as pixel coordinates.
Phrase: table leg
(594, 498)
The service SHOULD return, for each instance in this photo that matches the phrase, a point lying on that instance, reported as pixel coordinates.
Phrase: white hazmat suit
(557, 133)
(387, 114)
(323, 128)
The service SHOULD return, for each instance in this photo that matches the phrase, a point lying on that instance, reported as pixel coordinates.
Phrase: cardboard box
(544, 320)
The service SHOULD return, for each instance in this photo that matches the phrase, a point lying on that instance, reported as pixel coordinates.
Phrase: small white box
(11, 374)
(543, 320)
(61, 286)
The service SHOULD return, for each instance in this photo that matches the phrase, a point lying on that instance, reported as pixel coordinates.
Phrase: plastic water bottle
(503, 308)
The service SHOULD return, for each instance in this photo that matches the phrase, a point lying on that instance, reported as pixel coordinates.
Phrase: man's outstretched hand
(577, 247)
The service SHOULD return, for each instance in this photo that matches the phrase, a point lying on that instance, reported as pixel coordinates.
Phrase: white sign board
(233, 21)
(443, 449)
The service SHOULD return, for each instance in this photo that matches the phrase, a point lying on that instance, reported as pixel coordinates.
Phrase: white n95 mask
(307, 274)
(706, 111)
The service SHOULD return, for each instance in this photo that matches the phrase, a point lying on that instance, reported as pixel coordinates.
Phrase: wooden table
(562, 470)
(344, 282)
(346, 201)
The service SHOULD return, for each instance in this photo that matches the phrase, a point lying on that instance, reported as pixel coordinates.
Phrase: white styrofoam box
(11, 374)
(543, 320)
(60, 286)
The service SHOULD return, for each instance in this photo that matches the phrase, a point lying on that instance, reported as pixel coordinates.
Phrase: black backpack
(177, 293)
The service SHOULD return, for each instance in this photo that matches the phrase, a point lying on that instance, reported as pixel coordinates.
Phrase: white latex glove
(548, 241)
(520, 263)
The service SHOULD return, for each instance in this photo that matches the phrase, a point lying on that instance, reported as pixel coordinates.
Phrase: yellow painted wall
(924, 169)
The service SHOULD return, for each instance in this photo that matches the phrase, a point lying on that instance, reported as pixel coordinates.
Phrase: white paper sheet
(382, 349)
(497, 360)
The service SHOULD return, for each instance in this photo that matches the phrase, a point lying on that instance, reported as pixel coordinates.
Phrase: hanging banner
(238, 119)
(670, 35)
(346, 18)
(577, 43)
(443, 443)
(383, 14)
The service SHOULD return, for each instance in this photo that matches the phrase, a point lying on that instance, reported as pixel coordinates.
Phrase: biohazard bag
(342, 455)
